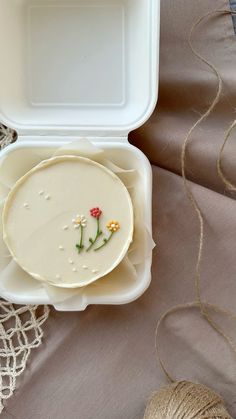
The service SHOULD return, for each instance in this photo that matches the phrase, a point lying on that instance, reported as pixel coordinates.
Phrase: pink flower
(96, 212)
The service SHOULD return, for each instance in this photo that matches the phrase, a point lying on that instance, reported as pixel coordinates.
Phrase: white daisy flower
(79, 220)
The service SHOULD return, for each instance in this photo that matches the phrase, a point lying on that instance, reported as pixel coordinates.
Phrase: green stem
(98, 234)
(80, 246)
(105, 241)
(98, 228)
(81, 237)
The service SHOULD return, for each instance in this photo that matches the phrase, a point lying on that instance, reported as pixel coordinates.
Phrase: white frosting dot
(74, 270)
(84, 267)
(47, 197)
(26, 205)
(70, 261)
(41, 193)
(58, 276)
(61, 248)
(65, 227)
(94, 271)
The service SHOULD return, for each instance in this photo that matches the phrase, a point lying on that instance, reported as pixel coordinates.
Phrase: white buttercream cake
(68, 221)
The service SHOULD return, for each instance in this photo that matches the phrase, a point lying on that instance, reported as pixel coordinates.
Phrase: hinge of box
(70, 138)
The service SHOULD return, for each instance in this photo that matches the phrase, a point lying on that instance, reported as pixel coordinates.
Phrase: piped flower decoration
(96, 213)
(80, 222)
(113, 227)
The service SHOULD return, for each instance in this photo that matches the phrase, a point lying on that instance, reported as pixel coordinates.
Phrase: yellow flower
(113, 226)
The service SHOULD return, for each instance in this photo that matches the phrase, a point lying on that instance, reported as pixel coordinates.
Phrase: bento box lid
(86, 67)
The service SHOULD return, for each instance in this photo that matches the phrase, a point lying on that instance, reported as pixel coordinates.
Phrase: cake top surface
(68, 221)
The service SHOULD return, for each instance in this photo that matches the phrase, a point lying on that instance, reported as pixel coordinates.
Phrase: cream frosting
(47, 214)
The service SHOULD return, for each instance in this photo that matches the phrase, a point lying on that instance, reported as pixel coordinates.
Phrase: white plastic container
(81, 68)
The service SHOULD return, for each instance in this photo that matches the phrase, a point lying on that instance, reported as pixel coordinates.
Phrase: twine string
(229, 185)
(199, 303)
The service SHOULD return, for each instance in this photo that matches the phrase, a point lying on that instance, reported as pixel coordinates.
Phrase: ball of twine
(185, 400)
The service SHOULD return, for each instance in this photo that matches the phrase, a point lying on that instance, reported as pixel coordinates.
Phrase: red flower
(96, 212)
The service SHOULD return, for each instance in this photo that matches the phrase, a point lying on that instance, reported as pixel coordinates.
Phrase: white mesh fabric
(20, 326)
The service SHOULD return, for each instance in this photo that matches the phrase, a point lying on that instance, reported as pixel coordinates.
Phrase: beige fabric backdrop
(101, 363)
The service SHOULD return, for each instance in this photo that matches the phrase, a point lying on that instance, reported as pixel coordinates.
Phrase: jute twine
(184, 399)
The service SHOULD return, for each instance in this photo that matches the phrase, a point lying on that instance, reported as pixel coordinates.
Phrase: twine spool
(185, 400)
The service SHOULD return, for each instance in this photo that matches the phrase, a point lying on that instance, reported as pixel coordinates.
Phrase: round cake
(68, 221)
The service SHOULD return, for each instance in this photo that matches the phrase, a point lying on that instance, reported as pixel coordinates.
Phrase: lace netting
(20, 326)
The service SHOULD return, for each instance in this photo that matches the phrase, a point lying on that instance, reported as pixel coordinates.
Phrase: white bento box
(81, 68)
